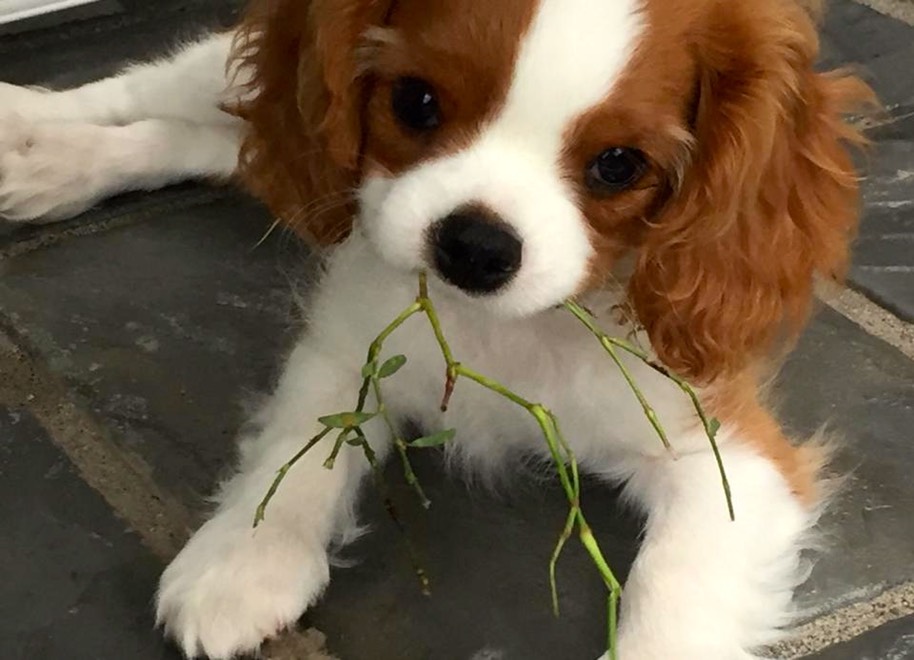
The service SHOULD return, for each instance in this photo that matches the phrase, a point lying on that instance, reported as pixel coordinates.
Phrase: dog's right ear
(298, 60)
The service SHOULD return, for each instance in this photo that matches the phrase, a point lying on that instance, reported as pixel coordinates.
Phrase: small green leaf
(435, 440)
(392, 366)
(713, 427)
(346, 420)
(369, 369)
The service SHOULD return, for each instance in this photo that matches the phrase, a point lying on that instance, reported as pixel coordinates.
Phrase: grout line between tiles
(872, 318)
(846, 623)
(903, 10)
(123, 479)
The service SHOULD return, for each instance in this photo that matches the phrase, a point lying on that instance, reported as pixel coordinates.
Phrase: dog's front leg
(151, 125)
(190, 85)
(233, 586)
(704, 587)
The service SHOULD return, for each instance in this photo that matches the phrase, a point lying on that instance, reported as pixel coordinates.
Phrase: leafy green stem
(564, 459)
(281, 474)
(350, 424)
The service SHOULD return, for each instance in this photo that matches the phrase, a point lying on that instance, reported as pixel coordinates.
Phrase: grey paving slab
(84, 12)
(76, 585)
(487, 557)
(882, 48)
(893, 641)
(903, 10)
(163, 327)
(877, 44)
(883, 266)
(863, 389)
(83, 50)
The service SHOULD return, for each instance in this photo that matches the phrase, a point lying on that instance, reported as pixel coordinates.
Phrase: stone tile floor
(130, 339)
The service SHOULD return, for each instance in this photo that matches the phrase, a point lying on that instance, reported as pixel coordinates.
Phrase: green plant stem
(401, 447)
(368, 382)
(374, 351)
(373, 382)
(330, 462)
(708, 424)
(559, 449)
(567, 531)
(565, 462)
(382, 487)
(281, 474)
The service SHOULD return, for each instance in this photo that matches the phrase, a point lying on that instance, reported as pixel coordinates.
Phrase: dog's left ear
(768, 202)
(299, 61)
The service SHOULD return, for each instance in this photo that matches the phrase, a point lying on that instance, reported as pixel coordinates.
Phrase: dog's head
(519, 148)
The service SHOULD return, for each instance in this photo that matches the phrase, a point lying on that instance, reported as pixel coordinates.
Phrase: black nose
(475, 252)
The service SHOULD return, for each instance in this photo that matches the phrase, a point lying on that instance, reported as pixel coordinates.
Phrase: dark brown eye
(415, 104)
(615, 170)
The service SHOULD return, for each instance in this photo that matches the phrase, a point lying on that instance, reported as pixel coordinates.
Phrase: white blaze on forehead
(572, 55)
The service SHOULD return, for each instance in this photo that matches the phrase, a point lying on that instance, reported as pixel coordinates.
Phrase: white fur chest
(548, 358)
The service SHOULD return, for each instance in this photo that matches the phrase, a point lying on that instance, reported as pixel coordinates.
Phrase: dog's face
(518, 149)
(513, 148)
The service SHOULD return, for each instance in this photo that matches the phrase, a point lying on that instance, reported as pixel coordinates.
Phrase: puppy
(681, 158)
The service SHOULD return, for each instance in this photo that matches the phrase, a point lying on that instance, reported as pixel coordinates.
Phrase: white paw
(52, 171)
(233, 587)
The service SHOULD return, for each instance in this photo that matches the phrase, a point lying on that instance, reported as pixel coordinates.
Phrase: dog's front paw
(51, 171)
(232, 588)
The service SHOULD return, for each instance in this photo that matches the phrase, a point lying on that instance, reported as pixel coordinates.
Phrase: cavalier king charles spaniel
(678, 166)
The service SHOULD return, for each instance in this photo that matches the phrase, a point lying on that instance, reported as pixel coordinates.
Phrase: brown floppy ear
(768, 202)
(299, 62)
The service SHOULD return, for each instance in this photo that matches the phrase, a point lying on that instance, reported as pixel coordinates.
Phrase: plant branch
(709, 425)
(565, 463)
(401, 447)
(562, 455)
(281, 474)
(381, 484)
(371, 381)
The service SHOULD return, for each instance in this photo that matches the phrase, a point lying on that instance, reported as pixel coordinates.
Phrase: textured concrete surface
(892, 641)
(185, 301)
(76, 584)
(883, 49)
(884, 255)
(857, 619)
(903, 10)
(136, 334)
(84, 50)
(869, 531)
(873, 318)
